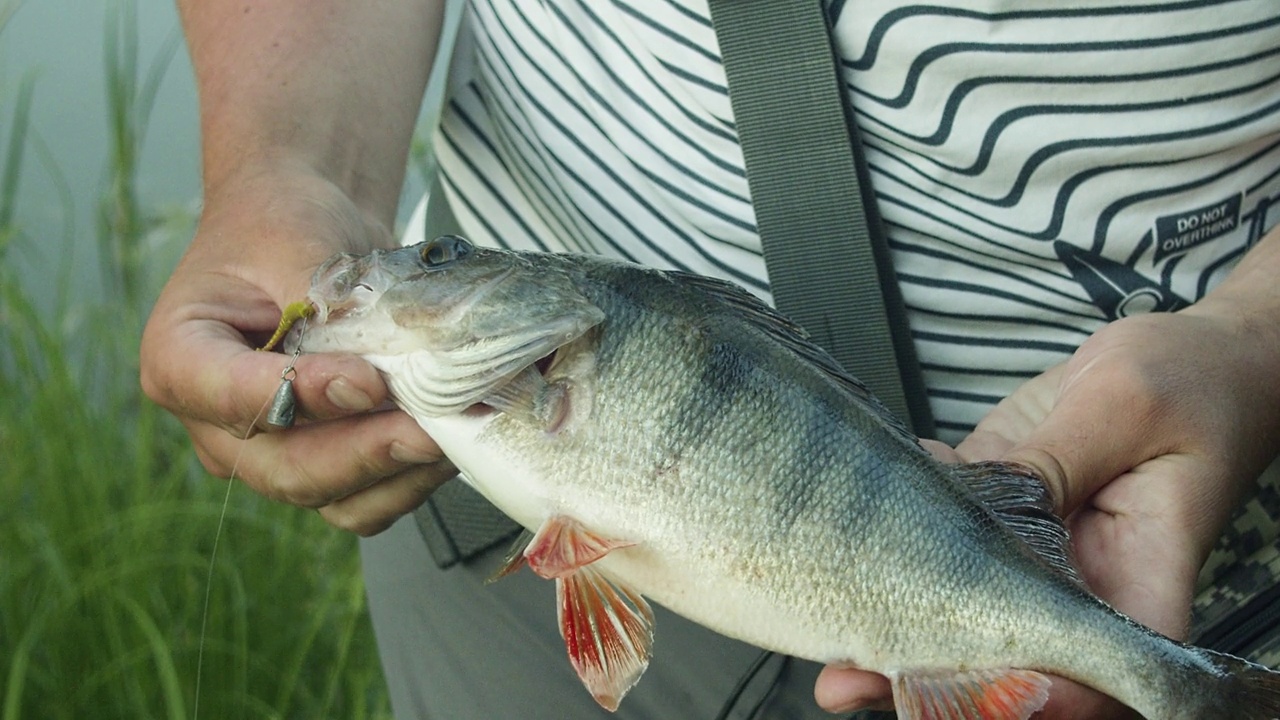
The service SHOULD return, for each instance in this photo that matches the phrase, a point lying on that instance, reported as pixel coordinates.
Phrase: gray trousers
(454, 648)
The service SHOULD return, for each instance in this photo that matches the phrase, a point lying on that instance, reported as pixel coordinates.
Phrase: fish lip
(345, 284)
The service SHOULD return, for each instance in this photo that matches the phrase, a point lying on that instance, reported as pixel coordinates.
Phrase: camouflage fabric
(1237, 609)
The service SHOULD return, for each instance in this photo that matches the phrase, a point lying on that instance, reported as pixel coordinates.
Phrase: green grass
(107, 521)
(107, 524)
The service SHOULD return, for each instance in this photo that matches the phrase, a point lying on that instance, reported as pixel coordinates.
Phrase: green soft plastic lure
(284, 404)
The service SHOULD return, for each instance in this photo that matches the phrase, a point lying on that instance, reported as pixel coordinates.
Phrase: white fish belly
(715, 600)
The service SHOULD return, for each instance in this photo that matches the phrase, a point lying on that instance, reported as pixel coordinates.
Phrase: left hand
(1147, 437)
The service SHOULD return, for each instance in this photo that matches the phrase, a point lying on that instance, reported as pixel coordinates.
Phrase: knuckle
(151, 386)
(1052, 473)
(345, 518)
(1142, 388)
(229, 414)
(299, 487)
(213, 464)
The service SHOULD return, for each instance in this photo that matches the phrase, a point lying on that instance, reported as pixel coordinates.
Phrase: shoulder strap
(824, 246)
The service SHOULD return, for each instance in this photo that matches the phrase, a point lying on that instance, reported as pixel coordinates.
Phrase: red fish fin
(515, 557)
(608, 631)
(973, 695)
(561, 546)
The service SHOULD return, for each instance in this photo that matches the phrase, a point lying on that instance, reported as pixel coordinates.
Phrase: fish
(668, 437)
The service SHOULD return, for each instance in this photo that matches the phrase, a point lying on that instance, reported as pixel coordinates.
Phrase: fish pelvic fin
(971, 695)
(1019, 498)
(562, 546)
(608, 632)
(514, 559)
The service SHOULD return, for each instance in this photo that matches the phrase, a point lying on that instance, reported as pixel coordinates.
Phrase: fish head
(452, 320)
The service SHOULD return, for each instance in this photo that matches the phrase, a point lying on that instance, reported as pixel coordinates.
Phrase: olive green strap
(829, 265)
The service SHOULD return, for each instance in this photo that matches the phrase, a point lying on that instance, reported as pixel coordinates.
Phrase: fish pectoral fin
(562, 546)
(971, 695)
(608, 631)
(531, 399)
(514, 559)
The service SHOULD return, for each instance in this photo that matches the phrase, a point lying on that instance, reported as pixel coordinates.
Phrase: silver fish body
(751, 485)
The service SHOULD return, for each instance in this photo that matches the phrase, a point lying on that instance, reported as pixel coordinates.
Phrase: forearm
(333, 86)
(1248, 302)
(1252, 289)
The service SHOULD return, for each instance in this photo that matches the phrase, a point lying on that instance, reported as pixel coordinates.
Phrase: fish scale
(687, 444)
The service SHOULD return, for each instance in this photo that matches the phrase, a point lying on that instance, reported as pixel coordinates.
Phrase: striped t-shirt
(1042, 166)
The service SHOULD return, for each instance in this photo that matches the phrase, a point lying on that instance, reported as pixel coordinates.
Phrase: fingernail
(347, 396)
(411, 456)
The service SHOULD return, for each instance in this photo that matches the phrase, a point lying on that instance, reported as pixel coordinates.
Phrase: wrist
(273, 222)
(1246, 348)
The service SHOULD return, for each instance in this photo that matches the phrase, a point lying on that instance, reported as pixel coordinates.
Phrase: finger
(1072, 701)
(317, 464)
(373, 509)
(940, 451)
(224, 383)
(1090, 438)
(1012, 420)
(846, 689)
(842, 689)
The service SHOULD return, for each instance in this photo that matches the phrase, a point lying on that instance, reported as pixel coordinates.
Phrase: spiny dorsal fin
(973, 695)
(1018, 496)
(787, 333)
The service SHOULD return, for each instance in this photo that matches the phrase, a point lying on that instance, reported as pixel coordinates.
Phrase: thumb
(1092, 434)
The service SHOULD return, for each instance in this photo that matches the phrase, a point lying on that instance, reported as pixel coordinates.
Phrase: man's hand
(360, 469)
(1147, 438)
(306, 111)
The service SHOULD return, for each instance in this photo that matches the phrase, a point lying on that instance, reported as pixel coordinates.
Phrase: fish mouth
(346, 285)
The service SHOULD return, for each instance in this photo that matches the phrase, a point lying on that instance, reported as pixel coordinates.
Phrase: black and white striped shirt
(1043, 166)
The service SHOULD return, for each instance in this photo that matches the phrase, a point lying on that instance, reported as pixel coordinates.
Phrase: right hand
(359, 463)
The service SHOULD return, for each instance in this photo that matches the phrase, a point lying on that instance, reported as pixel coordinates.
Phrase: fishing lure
(284, 404)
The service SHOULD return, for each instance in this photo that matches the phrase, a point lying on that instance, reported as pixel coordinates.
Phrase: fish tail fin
(1252, 691)
(1234, 689)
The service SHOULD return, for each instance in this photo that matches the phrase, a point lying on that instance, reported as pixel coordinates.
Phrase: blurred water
(62, 42)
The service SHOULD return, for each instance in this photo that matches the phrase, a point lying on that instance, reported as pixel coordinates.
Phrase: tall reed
(107, 520)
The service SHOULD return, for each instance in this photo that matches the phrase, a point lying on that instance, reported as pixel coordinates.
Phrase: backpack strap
(828, 261)
(824, 244)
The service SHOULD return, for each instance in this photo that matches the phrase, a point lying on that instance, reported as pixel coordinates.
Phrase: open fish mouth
(347, 285)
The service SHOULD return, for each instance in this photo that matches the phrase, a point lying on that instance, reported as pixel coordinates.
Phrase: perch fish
(668, 436)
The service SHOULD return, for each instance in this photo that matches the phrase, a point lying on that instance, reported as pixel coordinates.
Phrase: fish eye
(444, 250)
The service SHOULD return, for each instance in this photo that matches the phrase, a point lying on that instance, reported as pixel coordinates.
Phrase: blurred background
(107, 520)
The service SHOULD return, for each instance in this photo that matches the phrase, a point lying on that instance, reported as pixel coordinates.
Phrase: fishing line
(283, 406)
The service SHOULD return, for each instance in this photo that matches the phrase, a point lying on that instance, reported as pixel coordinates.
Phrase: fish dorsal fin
(790, 335)
(973, 695)
(608, 632)
(1019, 497)
(562, 546)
